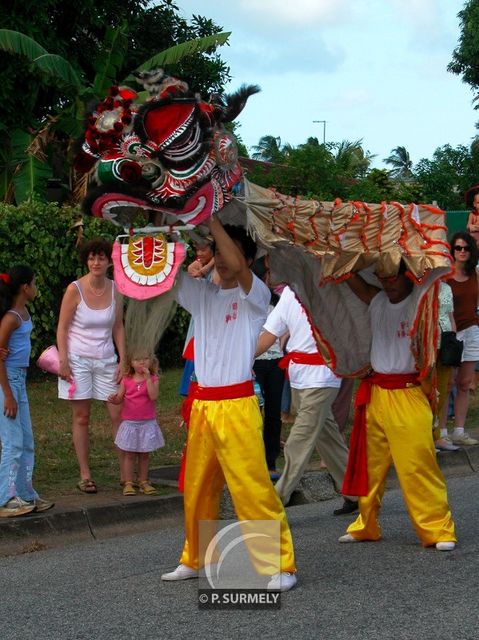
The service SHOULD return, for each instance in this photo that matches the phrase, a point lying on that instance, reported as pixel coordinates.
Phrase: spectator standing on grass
(90, 326)
(139, 433)
(465, 291)
(444, 373)
(270, 378)
(17, 495)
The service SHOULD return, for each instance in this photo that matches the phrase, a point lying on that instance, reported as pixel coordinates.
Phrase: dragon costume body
(160, 169)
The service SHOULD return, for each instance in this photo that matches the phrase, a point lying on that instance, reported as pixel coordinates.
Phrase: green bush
(45, 236)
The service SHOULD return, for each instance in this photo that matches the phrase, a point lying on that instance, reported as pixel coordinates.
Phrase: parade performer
(393, 421)
(314, 388)
(225, 428)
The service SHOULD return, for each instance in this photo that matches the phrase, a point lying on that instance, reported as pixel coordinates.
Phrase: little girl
(17, 495)
(473, 220)
(139, 432)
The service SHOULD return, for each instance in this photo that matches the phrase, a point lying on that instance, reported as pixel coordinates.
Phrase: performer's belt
(356, 477)
(299, 357)
(229, 392)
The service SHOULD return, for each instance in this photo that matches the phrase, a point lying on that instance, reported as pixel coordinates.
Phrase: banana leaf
(30, 175)
(19, 43)
(180, 51)
(111, 59)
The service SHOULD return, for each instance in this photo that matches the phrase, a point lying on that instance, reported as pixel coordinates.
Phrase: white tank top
(90, 333)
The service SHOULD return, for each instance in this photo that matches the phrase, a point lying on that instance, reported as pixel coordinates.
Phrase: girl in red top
(473, 220)
(139, 432)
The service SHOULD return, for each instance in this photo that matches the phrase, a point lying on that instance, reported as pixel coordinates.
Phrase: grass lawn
(56, 471)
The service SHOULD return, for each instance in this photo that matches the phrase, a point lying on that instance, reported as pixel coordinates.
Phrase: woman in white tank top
(90, 326)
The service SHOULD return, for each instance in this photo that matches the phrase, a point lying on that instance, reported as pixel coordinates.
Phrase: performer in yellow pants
(399, 432)
(393, 419)
(225, 442)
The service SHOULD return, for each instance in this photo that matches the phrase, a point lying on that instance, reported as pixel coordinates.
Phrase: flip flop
(87, 486)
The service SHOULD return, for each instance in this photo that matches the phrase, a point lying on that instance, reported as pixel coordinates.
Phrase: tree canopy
(465, 57)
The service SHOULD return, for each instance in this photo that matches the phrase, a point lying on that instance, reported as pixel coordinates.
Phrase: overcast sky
(372, 69)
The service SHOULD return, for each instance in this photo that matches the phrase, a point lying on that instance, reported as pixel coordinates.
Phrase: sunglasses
(458, 247)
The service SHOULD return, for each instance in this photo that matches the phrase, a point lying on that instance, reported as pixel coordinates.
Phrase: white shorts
(94, 379)
(470, 337)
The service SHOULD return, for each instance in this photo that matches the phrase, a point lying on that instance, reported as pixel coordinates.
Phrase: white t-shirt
(227, 325)
(391, 342)
(290, 315)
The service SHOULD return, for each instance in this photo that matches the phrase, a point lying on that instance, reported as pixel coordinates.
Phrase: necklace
(96, 292)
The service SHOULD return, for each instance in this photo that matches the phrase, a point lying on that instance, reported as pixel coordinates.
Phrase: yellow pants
(399, 432)
(225, 441)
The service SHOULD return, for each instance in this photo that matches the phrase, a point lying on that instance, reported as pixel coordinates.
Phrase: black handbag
(450, 350)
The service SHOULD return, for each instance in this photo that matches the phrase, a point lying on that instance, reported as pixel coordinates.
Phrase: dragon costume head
(170, 159)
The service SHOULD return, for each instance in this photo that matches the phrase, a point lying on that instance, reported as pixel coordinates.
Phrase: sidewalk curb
(82, 523)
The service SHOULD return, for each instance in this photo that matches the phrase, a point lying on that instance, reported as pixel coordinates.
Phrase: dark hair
(10, 284)
(95, 246)
(239, 235)
(470, 264)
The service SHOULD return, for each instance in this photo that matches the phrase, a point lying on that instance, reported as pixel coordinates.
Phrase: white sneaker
(445, 546)
(282, 581)
(16, 507)
(182, 572)
(464, 440)
(445, 444)
(348, 538)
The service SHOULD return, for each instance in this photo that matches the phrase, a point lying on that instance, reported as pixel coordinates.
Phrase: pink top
(90, 333)
(137, 404)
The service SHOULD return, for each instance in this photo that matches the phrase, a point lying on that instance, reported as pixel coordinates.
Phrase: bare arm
(153, 387)
(265, 341)
(472, 223)
(362, 289)
(117, 398)
(67, 311)
(118, 333)
(9, 323)
(231, 254)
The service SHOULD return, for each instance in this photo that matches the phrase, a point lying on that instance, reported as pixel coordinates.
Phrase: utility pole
(323, 122)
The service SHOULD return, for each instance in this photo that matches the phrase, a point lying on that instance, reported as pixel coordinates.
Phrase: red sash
(355, 481)
(299, 357)
(229, 392)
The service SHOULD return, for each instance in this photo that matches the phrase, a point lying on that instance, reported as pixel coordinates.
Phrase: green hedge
(45, 236)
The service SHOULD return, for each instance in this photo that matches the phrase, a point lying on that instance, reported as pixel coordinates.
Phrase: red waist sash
(355, 481)
(229, 392)
(299, 357)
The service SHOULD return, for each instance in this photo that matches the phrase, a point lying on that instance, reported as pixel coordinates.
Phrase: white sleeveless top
(90, 333)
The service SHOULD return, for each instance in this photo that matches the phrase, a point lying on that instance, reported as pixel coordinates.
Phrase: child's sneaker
(147, 488)
(16, 507)
(129, 489)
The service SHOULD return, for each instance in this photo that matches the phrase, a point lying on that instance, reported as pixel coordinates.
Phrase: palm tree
(24, 168)
(269, 149)
(402, 164)
(351, 159)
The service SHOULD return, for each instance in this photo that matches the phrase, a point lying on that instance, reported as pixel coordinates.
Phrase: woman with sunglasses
(465, 291)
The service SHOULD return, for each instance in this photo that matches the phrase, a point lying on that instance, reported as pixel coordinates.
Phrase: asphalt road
(392, 589)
